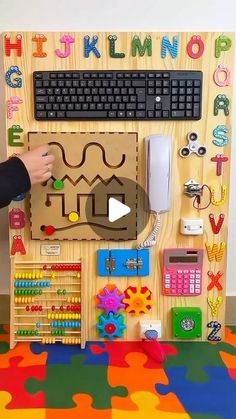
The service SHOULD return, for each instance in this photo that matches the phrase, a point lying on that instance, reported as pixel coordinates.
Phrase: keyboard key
(61, 114)
(138, 83)
(121, 114)
(165, 114)
(140, 114)
(41, 114)
(42, 99)
(177, 114)
(88, 114)
(112, 114)
(52, 114)
(130, 114)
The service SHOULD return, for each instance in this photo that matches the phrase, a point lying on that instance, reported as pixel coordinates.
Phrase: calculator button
(192, 272)
(167, 275)
(198, 291)
(198, 281)
(179, 271)
(192, 276)
(191, 289)
(167, 281)
(186, 271)
(173, 276)
(185, 291)
(180, 277)
(197, 286)
(198, 276)
(186, 276)
(198, 272)
(191, 281)
(167, 285)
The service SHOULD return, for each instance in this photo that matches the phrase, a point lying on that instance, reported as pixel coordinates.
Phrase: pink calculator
(182, 272)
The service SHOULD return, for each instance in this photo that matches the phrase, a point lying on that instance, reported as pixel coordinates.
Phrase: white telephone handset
(158, 180)
(158, 167)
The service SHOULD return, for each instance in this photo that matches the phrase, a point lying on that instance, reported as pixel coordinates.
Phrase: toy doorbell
(193, 146)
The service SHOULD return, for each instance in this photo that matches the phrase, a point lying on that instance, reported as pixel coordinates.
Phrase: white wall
(121, 15)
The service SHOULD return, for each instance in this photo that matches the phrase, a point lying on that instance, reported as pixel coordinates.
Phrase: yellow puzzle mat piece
(5, 399)
(147, 407)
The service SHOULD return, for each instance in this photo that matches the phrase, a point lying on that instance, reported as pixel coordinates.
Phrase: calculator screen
(183, 259)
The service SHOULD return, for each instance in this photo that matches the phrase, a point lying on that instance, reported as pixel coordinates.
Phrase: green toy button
(58, 184)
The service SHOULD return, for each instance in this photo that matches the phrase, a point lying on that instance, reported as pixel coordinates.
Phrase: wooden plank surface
(201, 169)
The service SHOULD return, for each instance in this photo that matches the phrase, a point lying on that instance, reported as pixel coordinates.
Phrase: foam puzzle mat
(117, 380)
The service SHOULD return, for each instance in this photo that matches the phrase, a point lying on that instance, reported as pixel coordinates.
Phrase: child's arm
(19, 173)
(14, 179)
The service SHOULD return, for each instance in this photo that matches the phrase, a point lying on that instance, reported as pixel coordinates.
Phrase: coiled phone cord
(151, 240)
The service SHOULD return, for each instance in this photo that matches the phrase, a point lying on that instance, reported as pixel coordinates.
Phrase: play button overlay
(116, 210)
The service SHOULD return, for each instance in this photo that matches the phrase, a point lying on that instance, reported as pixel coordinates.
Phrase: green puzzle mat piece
(4, 346)
(2, 330)
(65, 380)
(197, 356)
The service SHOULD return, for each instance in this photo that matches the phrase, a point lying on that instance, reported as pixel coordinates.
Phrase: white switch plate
(150, 325)
(191, 226)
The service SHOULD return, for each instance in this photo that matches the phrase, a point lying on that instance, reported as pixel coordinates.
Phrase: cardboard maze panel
(89, 168)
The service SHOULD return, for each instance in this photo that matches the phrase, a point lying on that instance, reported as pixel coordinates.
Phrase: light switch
(191, 226)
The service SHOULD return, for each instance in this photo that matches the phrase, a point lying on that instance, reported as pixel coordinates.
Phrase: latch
(110, 264)
(132, 264)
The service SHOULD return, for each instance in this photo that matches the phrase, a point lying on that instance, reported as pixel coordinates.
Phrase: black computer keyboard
(124, 95)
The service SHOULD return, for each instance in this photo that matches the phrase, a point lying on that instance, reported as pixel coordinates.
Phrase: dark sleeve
(14, 180)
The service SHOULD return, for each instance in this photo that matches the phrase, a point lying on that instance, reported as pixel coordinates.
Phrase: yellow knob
(73, 217)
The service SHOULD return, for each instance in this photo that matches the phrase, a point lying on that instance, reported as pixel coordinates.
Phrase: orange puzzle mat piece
(83, 410)
(23, 348)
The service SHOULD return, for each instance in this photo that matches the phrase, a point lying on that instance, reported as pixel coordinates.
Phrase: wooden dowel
(69, 292)
(41, 262)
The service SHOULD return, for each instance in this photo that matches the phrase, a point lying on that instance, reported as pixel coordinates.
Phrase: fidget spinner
(192, 147)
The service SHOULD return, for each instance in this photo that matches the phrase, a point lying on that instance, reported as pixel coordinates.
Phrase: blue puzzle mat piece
(62, 354)
(216, 396)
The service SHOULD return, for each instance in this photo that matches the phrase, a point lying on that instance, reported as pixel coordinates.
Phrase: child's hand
(38, 164)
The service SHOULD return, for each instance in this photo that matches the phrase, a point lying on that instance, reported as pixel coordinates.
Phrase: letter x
(215, 280)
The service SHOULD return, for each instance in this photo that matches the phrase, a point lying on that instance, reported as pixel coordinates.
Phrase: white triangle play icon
(116, 210)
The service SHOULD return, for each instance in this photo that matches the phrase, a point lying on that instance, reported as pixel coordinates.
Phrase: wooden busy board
(201, 169)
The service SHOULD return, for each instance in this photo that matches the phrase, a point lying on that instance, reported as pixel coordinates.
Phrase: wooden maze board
(93, 167)
(201, 169)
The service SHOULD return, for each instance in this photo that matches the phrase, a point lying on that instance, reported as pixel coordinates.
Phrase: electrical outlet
(154, 326)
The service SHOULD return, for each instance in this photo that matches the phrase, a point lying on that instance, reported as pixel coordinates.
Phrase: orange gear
(138, 300)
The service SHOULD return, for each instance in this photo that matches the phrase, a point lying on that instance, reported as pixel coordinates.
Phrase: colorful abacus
(44, 307)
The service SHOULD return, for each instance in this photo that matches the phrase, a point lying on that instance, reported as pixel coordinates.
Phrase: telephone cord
(151, 240)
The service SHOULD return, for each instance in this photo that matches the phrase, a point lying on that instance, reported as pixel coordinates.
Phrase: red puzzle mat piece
(13, 379)
(83, 410)
(118, 350)
(22, 349)
(232, 373)
(138, 378)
